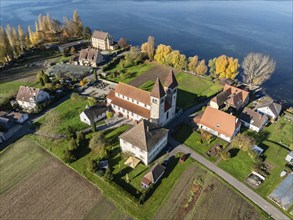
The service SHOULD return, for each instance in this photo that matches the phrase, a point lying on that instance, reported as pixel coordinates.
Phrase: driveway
(242, 188)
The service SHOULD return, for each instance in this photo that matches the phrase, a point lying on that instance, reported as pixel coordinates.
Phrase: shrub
(68, 156)
(98, 140)
(108, 175)
(225, 155)
(92, 165)
(206, 136)
(110, 114)
(243, 142)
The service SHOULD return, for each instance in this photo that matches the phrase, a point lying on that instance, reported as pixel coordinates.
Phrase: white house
(219, 123)
(144, 141)
(271, 109)
(253, 120)
(289, 157)
(29, 97)
(102, 40)
(93, 114)
(90, 57)
(158, 106)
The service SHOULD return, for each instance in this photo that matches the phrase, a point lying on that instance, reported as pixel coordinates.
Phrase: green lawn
(69, 115)
(273, 139)
(192, 90)
(185, 134)
(129, 73)
(147, 86)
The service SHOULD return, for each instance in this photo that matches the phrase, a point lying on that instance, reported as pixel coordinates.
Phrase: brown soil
(53, 192)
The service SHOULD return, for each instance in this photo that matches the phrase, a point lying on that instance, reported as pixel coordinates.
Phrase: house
(102, 40)
(18, 117)
(252, 119)
(90, 57)
(145, 140)
(219, 123)
(158, 106)
(153, 176)
(270, 108)
(29, 97)
(93, 114)
(289, 157)
(230, 96)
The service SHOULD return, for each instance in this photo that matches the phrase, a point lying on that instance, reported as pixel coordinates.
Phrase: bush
(93, 165)
(108, 175)
(98, 140)
(110, 115)
(91, 101)
(225, 155)
(206, 136)
(68, 156)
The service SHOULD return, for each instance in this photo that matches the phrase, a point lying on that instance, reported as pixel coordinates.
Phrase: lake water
(204, 28)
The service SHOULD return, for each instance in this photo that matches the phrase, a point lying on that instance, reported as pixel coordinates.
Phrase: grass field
(185, 134)
(129, 73)
(215, 201)
(68, 112)
(192, 90)
(35, 185)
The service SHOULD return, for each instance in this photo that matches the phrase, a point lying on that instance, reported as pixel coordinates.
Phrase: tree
(87, 33)
(93, 124)
(176, 60)
(80, 139)
(92, 165)
(144, 47)
(109, 114)
(77, 24)
(68, 156)
(192, 63)
(21, 37)
(95, 75)
(6, 52)
(226, 67)
(100, 152)
(162, 52)
(72, 50)
(206, 136)
(212, 66)
(201, 68)
(243, 142)
(134, 57)
(91, 101)
(225, 155)
(83, 82)
(108, 175)
(72, 144)
(123, 43)
(98, 140)
(151, 48)
(257, 69)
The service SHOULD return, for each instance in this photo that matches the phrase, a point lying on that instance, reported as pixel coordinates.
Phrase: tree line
(257, 67)
(15, 41)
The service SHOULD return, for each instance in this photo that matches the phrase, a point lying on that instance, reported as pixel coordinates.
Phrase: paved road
(250, 194)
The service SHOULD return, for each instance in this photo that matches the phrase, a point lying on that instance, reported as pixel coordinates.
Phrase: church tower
(157, 103)
(171, 87)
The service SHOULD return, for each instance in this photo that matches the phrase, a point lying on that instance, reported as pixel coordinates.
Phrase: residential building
(219, 123)
(231, 97)
(90, 57)
(270, 108)
(158, 106)
(29, 97)
(253, 120)
(153, 176)
(289, 157)
(102, 40)
(145, 140)
(18, 117)
(93, 114)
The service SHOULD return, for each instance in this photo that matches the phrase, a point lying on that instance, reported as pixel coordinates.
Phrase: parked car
(184, 158)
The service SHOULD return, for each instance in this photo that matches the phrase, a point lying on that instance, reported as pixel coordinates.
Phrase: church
(157, 106)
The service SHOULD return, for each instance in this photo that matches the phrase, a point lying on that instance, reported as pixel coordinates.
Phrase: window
(145, 105)
(155, 101)
(137, 102)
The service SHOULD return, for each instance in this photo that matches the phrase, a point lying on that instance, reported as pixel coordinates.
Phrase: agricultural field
(36, 185)
(200, 195)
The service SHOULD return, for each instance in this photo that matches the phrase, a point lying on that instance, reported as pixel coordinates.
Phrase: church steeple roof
(171, 81)
(158, 90)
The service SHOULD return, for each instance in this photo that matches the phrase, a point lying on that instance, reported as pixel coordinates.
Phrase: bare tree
(257, 69)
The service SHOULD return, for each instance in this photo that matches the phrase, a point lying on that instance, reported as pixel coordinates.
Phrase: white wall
(132, 101)
(214, 105)
(140, 154)
(266, 111)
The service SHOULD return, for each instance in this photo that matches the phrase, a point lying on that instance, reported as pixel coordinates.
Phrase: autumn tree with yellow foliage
(227, 67)
(201, 68)
(162, 53)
